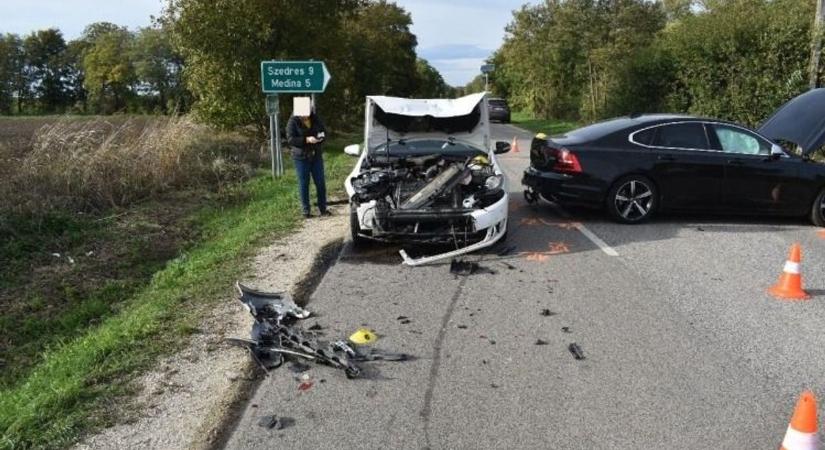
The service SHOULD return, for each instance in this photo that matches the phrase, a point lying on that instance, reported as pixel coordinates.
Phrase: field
(89, 289)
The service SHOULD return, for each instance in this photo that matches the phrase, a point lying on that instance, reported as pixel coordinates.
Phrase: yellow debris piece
(541, 136)
(363, 336)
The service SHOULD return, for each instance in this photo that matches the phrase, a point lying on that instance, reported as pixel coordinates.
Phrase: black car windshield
(425, 147)
(498, 103)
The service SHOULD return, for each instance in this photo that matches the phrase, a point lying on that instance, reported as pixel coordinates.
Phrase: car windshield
(425, 147)
(497, 103)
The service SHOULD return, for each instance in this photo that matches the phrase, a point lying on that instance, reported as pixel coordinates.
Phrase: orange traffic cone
(790, 282)
(514, 146)
(802, 431)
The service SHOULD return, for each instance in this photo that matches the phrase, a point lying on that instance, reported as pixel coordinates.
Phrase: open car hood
(463, 118)
(800, 121)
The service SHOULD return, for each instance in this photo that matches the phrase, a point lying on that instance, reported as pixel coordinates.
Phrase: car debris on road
(576, 351)
(465, 268)
(276, 335)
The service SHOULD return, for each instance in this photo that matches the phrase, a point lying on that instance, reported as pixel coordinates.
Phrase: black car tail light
(567, 162)
(545, 156)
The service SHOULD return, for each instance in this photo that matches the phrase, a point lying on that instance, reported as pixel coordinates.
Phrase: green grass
(66, 393)
(547, 126)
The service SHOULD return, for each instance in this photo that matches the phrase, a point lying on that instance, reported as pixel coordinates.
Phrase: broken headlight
(493, 183)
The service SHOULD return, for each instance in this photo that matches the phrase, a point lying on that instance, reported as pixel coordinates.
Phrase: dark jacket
(296, 134)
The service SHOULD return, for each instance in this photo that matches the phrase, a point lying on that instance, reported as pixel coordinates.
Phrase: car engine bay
(427, 198)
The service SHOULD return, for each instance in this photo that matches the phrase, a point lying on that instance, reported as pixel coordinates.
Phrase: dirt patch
(68, 276)
(190, 399)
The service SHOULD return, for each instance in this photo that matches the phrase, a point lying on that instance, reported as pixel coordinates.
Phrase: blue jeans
(304, 168)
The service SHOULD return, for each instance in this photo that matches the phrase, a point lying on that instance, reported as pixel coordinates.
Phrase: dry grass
(96, 164)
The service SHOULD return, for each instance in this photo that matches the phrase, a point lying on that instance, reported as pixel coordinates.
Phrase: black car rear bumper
(500, 116)
(563, 188)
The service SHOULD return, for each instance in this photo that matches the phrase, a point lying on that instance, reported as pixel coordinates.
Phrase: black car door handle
(736, 162)
(667, 158)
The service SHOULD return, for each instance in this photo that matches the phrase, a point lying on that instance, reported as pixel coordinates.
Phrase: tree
(224, 41)
(430, 83)
(75, 75)
(383, 50)
(11, 70)
(45, 56)
(109, 71)
(560, 58)
(159, 70)
(740, 59)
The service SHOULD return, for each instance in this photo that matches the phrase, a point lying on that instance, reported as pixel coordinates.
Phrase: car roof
(645, 119)
(603, 129)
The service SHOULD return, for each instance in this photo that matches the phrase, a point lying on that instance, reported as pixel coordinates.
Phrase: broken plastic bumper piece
(494, 233)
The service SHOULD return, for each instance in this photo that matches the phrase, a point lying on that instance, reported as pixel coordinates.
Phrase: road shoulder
(188, 399)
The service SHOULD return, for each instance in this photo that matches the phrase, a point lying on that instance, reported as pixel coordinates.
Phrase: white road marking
(608, 250)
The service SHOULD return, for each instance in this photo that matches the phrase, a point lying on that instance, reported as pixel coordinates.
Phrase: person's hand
(312, 140)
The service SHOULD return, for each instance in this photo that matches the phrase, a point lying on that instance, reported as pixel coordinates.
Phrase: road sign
(279, 77)
(487, 68)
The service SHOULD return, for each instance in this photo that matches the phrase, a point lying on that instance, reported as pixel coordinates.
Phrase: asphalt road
(683, 347)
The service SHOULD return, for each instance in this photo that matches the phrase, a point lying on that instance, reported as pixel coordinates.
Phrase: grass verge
(66, 393)
(547, 126)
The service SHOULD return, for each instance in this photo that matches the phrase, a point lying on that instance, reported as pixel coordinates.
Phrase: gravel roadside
(189, 398)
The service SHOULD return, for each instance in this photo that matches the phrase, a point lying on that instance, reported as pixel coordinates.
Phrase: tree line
(593, 59)
(107, 69)
(204, 56)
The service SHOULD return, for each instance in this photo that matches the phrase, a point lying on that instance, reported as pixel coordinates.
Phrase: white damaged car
(427, 174)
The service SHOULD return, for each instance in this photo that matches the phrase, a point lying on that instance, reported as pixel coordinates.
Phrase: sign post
(288, 77)
(486, 69)
(276, 155)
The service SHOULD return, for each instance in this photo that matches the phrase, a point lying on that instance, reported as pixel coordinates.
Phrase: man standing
(306, 133)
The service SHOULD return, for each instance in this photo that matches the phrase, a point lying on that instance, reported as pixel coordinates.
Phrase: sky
(455, 35)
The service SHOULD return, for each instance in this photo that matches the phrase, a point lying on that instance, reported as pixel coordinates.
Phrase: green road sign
(279, 77)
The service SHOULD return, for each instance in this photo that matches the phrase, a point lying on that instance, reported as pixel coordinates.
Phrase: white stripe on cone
(792, 267)
(797, 440)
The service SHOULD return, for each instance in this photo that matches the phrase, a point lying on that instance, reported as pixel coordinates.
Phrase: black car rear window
(600, 129)
(682, 135)
(499, 103)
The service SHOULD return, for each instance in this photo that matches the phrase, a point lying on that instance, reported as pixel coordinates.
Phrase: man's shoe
(307, 215)
(326, 213)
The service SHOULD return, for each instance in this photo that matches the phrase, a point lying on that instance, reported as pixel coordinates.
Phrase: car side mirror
(776, 152)
(502, 147)
(353, 150)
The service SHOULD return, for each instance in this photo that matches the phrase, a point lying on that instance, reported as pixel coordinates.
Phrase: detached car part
(275, 334)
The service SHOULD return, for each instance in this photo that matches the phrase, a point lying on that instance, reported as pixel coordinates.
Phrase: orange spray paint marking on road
(821, 234)
(529, 221)
(562, 225)
(536, 256)
(557, 248)
(553, 248)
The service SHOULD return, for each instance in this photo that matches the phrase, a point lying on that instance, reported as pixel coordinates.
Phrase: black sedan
(634, 166)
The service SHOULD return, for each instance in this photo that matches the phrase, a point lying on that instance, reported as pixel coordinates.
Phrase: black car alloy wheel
(632, 199)
(818, 210)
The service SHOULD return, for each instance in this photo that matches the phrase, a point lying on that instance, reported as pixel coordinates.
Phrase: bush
(96, 165)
